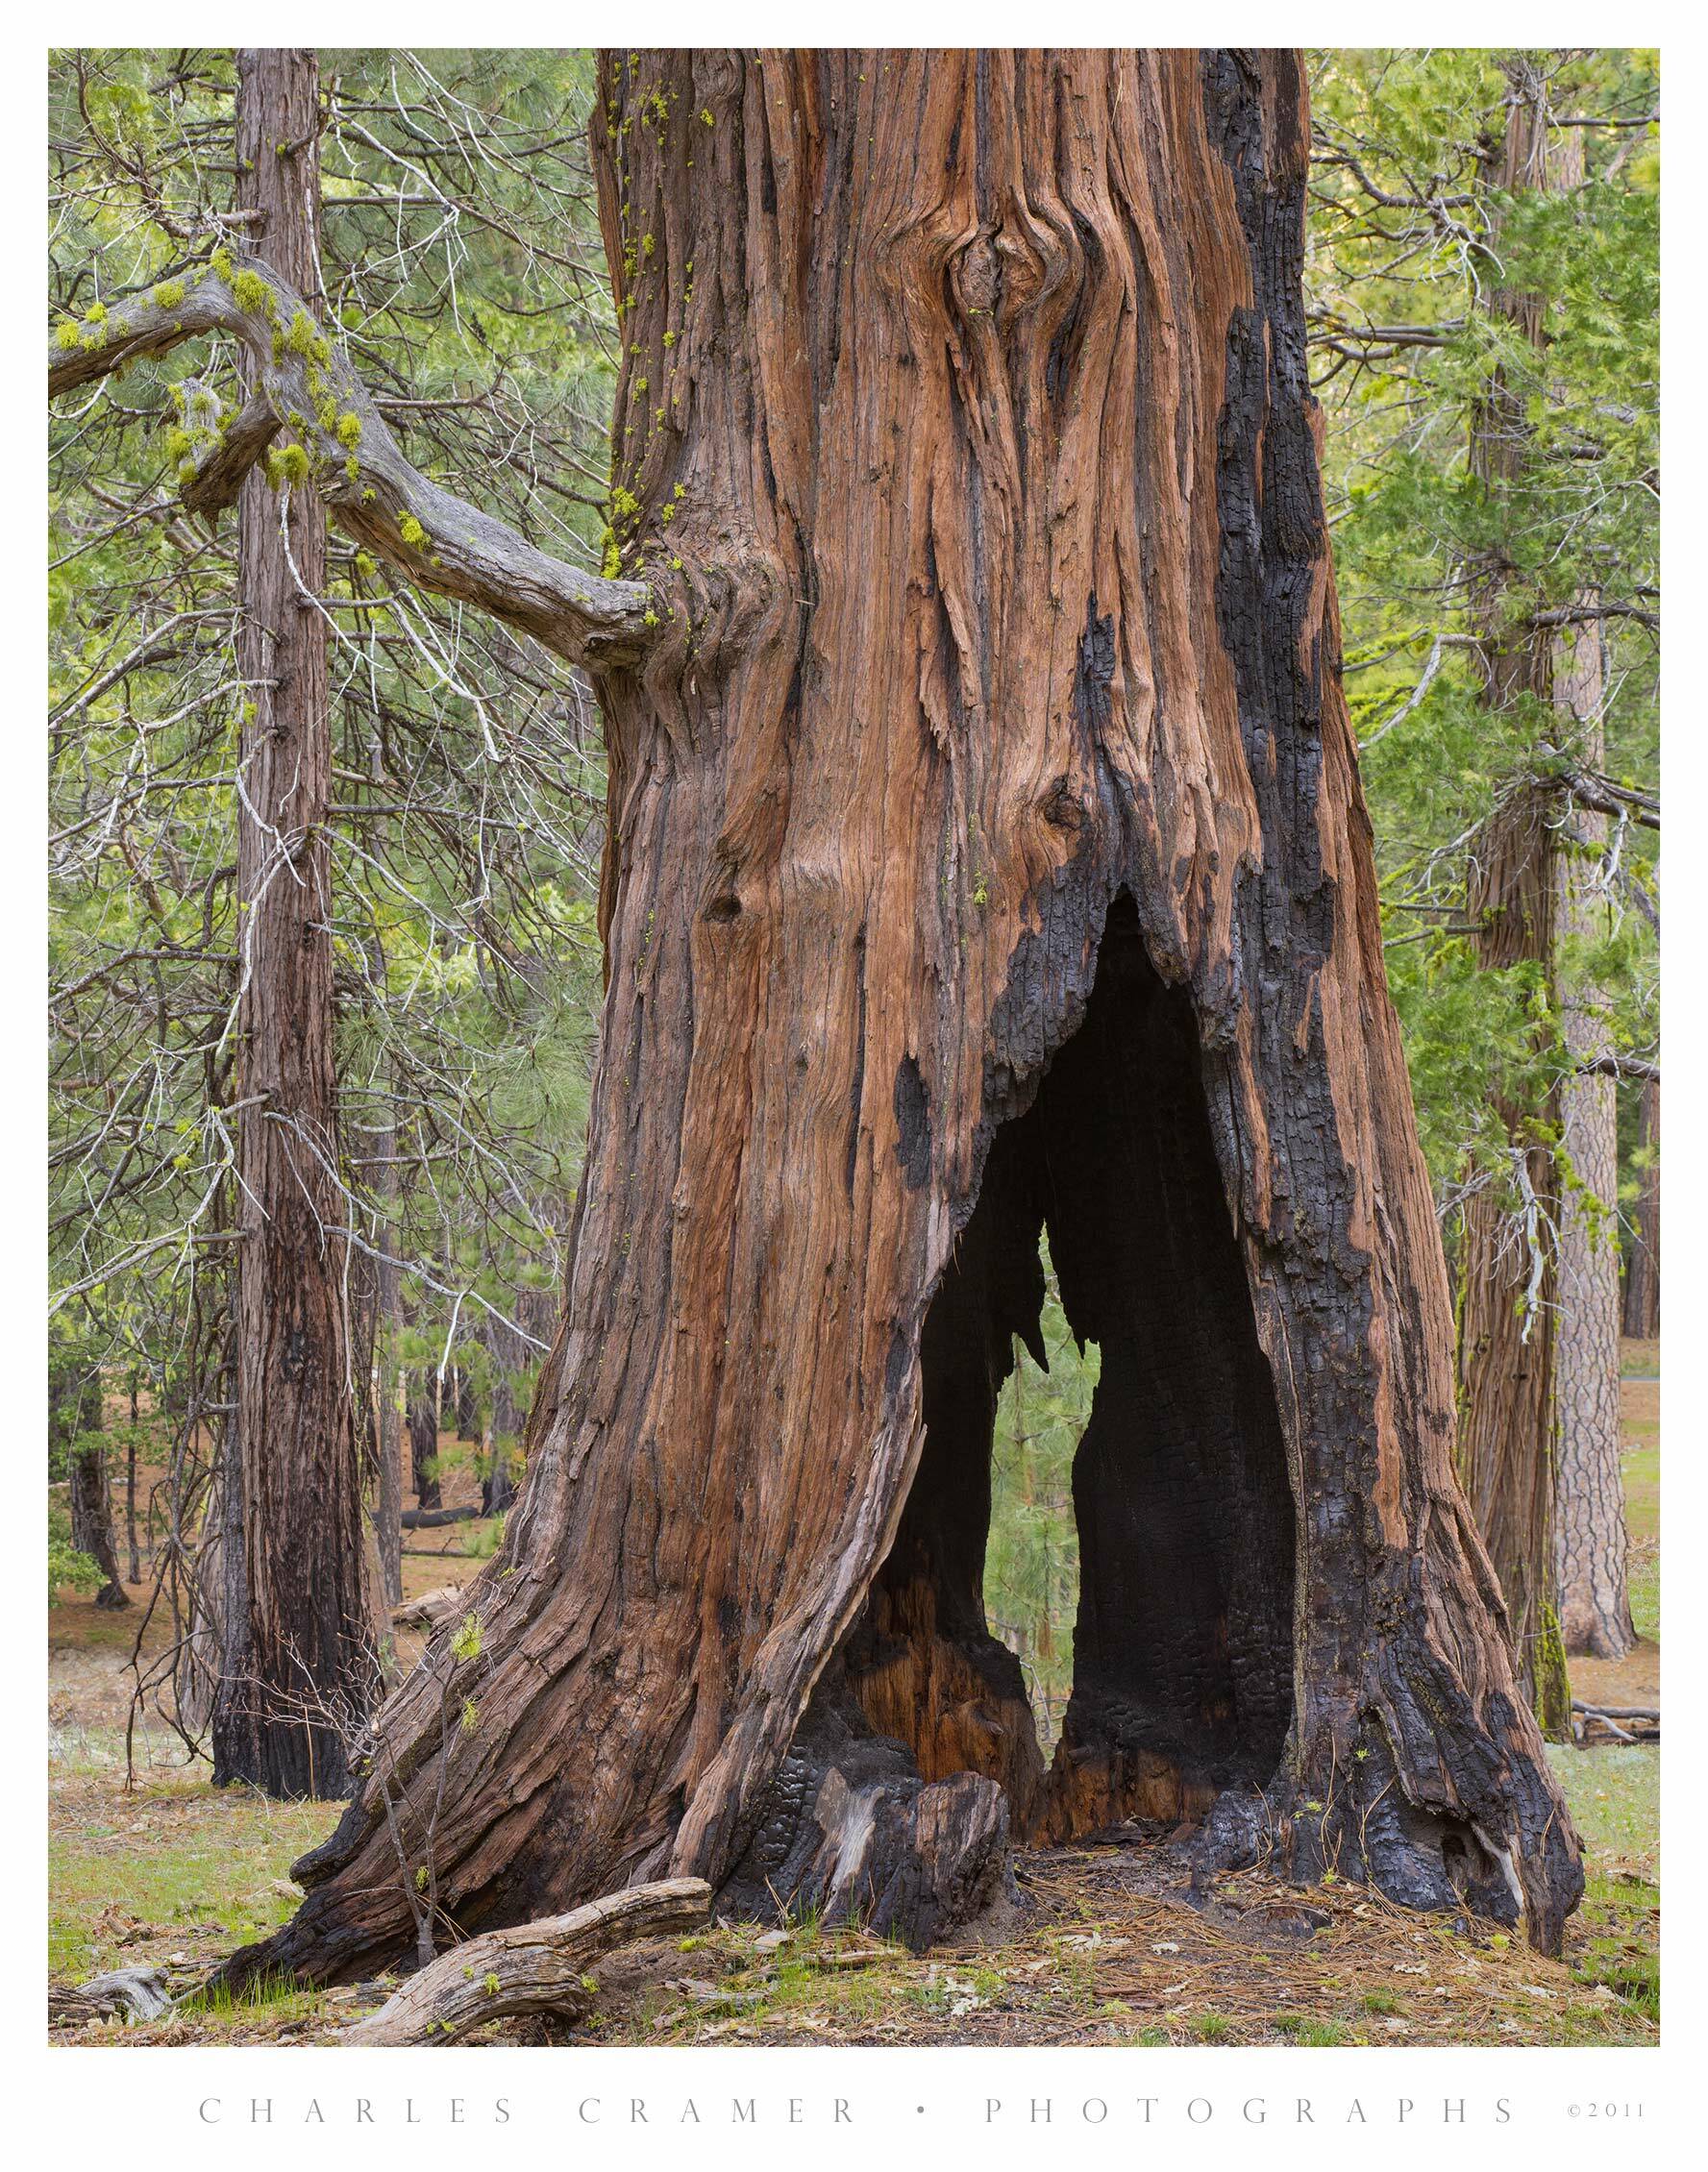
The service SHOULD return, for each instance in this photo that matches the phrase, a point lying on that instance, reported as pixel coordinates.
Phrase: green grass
(276, 1997)
(1641, 1466)
(1622, 1915)
(1615, 1797)
(177, 1855)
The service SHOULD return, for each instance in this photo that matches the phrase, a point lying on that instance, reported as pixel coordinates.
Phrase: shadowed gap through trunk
(1183, 1644)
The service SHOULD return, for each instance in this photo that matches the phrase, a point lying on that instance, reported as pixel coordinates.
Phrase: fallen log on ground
(431, 1610)
(1645, 1719)
(532, 1968)
(139, 1994)
(430, 1518)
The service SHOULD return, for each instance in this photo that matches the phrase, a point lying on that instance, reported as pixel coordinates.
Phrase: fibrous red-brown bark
(993, 699)
(298, 1677)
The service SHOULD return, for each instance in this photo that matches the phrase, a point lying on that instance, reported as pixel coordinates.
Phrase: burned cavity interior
(1183, 1644)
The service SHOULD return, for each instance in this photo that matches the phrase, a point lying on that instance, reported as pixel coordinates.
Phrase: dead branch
(535, 1967)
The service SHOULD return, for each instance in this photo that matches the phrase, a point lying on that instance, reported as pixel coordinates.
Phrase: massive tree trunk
(963, 436)
(1642, 1265)
(1591, 1540)
(299, 1673)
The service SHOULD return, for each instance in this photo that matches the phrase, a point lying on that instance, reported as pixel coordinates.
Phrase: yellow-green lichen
(253, 294)
(287, 466)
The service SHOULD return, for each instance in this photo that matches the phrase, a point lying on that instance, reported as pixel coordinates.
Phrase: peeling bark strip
(974, 386)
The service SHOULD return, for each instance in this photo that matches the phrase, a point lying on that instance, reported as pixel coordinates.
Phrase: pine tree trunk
(1508, 1256)
(133, 1564)
(1508, 1270)
(1590, 1509)
(995, 700)
(299, 1673)
(507, 1354)
(1643, 1267)
(387, 1389)
(91, 1496)
(424, 1442)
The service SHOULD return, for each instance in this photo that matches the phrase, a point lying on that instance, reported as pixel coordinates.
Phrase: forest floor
(1101, 1944)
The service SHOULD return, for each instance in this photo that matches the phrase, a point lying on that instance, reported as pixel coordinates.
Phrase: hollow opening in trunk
(1183, 1644)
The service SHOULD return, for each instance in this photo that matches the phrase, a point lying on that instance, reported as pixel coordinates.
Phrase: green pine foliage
(1413, 525)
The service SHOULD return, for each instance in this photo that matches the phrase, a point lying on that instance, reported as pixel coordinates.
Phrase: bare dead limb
(1621, 1067)
(138, 1993)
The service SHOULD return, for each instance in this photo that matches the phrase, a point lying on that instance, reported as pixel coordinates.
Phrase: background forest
(1490, 462)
